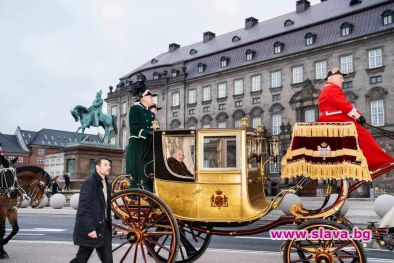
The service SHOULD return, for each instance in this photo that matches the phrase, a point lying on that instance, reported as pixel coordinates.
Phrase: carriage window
(220, 152)
(179, 151)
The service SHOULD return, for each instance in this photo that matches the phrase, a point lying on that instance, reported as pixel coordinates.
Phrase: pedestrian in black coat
(93, 220)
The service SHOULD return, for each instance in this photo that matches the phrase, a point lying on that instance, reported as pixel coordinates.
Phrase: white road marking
(39, 229)
(22, 234)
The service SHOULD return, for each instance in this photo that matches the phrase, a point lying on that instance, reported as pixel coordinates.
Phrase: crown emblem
(219, 192)
(324, 145)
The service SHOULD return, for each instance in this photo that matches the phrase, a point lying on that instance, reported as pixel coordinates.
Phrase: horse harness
(8, 187)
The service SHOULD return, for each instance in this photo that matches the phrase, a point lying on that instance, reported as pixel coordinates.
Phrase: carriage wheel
(323, 251)
(146, 230)
(193, 243)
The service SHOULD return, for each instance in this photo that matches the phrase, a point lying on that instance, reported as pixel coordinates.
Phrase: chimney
(250, 22)
(173, 46)
(208, 36)
(302, 5)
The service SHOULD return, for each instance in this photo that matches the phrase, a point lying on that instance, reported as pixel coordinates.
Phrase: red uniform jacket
(334, 107)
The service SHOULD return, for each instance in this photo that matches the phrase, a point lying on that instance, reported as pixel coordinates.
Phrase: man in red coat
(334, 107)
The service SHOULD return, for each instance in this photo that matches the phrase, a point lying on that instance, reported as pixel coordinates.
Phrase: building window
(375, 58)
(201, 67)
(192, 111)
(175, 99)
(113, 140)
(175, 114)
(155, 100)
(224, 61)
(238, 103)
(276, 123)
(250, 55)
(222, 106)
(237, 123)
(256, 121)
(193, 51)
(235, 39)
(375, 79)
(238, 86)
(206, 93)
(256, 83)
(377, 113)
(41, 151)
(276, 79)
(278, 47)
(113, 110)
(310, 115)
(346, 64)
(124, 107)
(274, 169)
(347, 85)
(41, 161)
(321, 69)
(275, 97)
(124, 139)
(192, 96)
(206, 126)
(156, 75)
(20, 159)
(206, 109)
(310, 39)
(387, 17)
(256, 100)
(346, 29)
(288, 22)
(174, 73)
(222, 90)
(222, 125)
(298, 74)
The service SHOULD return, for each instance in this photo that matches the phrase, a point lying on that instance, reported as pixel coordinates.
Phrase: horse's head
(75, 114)
(37, 189)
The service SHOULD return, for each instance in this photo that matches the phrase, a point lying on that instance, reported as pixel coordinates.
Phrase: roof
(56, 138)
(10, 144)
(262, 34)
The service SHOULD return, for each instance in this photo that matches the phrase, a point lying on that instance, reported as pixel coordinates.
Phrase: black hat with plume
(139, 88)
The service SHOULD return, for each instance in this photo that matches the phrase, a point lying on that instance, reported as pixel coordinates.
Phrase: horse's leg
(12, 216)
(3, 254)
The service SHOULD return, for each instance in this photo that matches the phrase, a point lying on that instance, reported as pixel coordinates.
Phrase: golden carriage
(226, 192)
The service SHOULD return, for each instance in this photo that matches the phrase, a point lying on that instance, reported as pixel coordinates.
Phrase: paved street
(50, 236)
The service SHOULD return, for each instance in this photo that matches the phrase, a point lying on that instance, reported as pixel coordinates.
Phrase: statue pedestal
(79, 161)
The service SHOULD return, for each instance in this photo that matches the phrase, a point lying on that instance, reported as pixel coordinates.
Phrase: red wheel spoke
(152, 252)
(165, 239)
(159, 234)
(158, 219)
(129, 212)
(146, 216)
(341, 246)
(158, 244)
(135, 254)
(121, 245)
(127, 252)
(121, 227)
(143, 252)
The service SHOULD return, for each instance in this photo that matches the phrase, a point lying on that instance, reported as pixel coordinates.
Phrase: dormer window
(201, 67)
(355, 2)
(174, 73)
(288, 22)
(387, 17)
(278, 47)
(154, 61)
(193, 51)
(250, 54)
(156, 75)
(346, 29)
(310, 39)
(224, 61)
(236, 39)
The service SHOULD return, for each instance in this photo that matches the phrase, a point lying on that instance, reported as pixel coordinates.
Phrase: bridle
(40, 185)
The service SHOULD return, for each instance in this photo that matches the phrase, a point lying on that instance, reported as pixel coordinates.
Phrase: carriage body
(225, 187)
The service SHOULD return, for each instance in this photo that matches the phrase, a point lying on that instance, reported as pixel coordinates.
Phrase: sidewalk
(360, 211)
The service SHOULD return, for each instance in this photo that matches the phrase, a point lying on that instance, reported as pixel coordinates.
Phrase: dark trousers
(104, 252)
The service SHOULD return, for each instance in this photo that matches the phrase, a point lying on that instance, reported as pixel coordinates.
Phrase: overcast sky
(55, 54)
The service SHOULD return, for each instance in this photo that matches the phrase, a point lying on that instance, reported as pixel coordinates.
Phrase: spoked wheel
(323, 251)
(122, 182)
(146, 230)
(193, 243)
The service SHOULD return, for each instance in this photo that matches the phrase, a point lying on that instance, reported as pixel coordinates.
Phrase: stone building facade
(272, 72)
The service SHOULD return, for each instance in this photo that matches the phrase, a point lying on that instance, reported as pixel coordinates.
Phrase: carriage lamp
(274, 149)
(244, 123)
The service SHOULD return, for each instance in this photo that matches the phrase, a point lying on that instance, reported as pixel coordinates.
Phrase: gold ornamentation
(324, 150)
(219, 200)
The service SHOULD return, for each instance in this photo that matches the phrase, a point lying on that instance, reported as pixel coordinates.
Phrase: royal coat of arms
(219, 200)
(324, 150)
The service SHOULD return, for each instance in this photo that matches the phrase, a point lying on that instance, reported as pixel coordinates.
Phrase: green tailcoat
(140, 122)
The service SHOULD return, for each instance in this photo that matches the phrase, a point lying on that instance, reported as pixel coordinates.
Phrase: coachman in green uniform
(140, 122)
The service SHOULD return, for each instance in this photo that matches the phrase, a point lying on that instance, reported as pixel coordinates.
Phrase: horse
(82, 114)
(31, 181)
